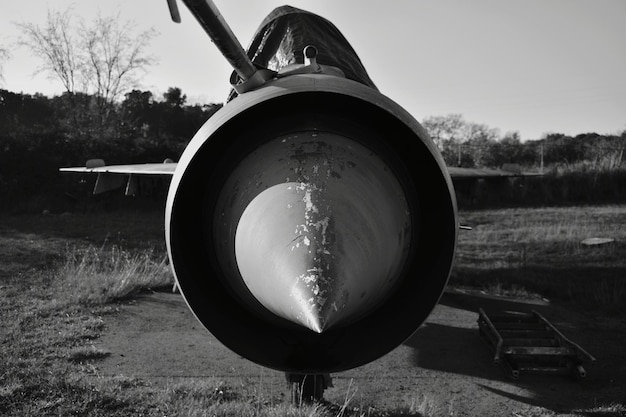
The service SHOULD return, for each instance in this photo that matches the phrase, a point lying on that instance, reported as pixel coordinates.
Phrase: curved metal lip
(294, 84)
(300, 83)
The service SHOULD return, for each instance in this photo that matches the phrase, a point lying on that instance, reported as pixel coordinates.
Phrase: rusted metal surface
(529, 343)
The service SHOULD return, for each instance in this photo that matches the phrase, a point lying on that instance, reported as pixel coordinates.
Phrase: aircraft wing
(169, 168)
(111, 177)
(139, 169)
(481, 173)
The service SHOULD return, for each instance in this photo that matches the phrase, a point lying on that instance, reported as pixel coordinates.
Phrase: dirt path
(445, 366)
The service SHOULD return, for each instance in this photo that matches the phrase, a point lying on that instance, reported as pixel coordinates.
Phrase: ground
(445, 363)
(444, 369)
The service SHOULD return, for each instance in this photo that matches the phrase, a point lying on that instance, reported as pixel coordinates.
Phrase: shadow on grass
(591, 288)
(131, 229)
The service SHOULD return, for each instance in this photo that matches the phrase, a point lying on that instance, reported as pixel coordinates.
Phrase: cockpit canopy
(282, 36)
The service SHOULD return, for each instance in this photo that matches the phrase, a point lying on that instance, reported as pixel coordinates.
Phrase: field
(77, 288)
(525, 251)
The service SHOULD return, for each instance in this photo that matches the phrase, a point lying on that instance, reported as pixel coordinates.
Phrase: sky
(532, 66)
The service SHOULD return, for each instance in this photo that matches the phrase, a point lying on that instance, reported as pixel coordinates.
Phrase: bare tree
(57, 46)
(4, 55)
(103, 58)
(444, 129)
(115, 57)
(462, 143)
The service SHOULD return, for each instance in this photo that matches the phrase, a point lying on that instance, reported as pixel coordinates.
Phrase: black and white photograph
(314, 209)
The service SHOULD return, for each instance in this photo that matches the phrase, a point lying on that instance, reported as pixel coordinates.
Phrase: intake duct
(311, 225)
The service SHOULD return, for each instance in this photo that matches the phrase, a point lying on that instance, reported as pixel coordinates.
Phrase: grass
(606, 410)
(55, 303)
(43, 351)
(105, 274)
(55, 300)
(538, 253)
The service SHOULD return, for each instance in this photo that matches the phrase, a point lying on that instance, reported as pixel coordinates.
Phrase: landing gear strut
(308, 388)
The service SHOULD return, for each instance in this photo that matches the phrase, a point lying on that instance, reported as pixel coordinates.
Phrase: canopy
(286, 31)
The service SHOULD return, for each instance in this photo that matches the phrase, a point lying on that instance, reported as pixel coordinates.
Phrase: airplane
(311, 223)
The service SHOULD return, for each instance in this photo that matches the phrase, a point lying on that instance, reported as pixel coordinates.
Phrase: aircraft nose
(324, 247)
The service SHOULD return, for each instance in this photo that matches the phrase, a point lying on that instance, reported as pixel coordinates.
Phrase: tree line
(103, 113)
(475, 145)
(41, 134)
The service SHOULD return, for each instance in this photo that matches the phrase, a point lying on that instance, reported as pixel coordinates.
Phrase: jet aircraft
(311, 223)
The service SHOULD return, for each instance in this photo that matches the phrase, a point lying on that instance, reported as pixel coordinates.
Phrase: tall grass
(99, 275)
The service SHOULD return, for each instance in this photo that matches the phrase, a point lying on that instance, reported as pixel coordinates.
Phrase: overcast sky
(531, 66)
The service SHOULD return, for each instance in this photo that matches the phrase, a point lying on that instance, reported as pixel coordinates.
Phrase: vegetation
(469, 144)
(38, 138)
(53, 307)
(102, 275)
(40, 135)
(102, 113)
(103, 58)
(4, 54)
(539, 253)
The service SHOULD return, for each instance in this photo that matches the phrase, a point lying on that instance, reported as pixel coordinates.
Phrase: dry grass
(105, 274)
(538, 253)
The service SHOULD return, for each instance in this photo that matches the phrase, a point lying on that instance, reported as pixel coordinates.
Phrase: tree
(444, 129)
(169, 120)
(175, 97)
(461, 143)
(562, 149)
(115, 56)
(4, 55)
(103, 58)
(57, 47)
(23, 114)
(135, 113)
(479, 139)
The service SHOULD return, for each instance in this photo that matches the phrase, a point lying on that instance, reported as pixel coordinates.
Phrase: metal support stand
(308, 388)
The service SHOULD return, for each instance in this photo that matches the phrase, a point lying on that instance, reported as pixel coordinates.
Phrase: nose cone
(325, 246)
